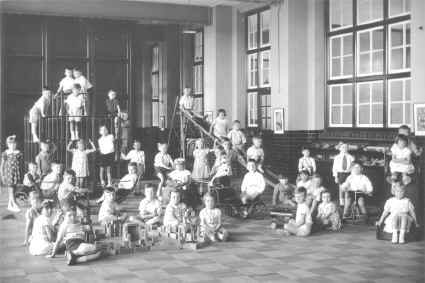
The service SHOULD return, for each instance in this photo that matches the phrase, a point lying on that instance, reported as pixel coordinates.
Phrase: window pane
(364, 41)
(377, 63)
(378, 39)
(265, 68)
(370, 59)
(347, 64)
(252, 31)
(377, 95)
(398, 7)
(336, 115)
(396, 90)
(396, 113)
(364, 64)
(347, 94)
(369, 10)
(364, 114)
(341, 13)
(265, 27)
(399, 46)
(347, 112)
(336, 67)
(397, 59)
(336, 46)
(252, 109)
(377, 114)
(348, 44)
(252, 70)
(396, 35)
(336, 95)
(407, 115)
(407, 90)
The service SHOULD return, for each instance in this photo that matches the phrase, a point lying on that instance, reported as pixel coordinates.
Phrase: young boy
(237, 137)
(86, 86)
(180, 175)
(136, 155)
(110, 210)
(51, 182)
(128, 182)
(113, 109)
(32, 179)
(283, 193)
(256, 152)
(69, 194)
(38, 111)
(163, 164)
(150, 209)
(210, 221)
(327, 214)
(358, 183)
(341, 169)
(301, 226)
(398, 215)
(65, 88)
(306, 162)
(45, 157)
(253, 185)
(314, 192)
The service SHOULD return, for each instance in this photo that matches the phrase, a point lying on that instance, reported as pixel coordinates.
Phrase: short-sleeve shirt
(163, 160)
(394, 205)
(210, 217)
(360, 183)
(67, 84)
(173, 213)
(127, 182)
(303, 213)
(136, 156)
(237, 137)
(106, 144)
(186, 102)
(255, 153)
(64, 191)
(84, 83)
(149, 206)
(180, 175)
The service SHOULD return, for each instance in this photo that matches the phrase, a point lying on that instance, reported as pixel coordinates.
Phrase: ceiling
(210, 3)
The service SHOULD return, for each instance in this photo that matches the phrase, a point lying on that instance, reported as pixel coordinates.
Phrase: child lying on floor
(301, 226)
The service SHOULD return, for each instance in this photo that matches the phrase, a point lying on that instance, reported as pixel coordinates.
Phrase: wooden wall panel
(24, 35)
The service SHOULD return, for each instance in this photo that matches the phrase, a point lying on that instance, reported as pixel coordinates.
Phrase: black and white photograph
(212, 141)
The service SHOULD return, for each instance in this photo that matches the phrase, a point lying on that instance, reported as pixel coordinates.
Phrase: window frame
(370, 104)
(341, 56)
(403, 47)
(396, 125)
(385, 76)
(369, 21)
(198, 68)
(341, 104)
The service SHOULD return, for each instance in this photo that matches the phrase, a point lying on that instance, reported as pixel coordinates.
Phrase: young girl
(109, 209)
(398, 215)
(175, 212)
(30, 215)
(51, 182)
(75, 104)
(137, 156)
(38, 111)
(80, 162)
(200, 164)
(32, 179)
(327, 214)
(314, 192)
(10, 171)
(219, 126)
(41, 242)
(256, 152)
(306, 162)
(210, 218)
(301, 226)
(303, 180)
(45, 157)
(163, 164)
(106, 156)
(401, 162)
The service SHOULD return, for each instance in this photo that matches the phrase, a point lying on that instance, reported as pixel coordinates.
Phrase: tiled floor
(254, 254)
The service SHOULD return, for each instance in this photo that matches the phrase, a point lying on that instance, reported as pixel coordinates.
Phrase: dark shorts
(342, 177)
(106, 160)
(359, 195)
(162, 171)
(73, 244)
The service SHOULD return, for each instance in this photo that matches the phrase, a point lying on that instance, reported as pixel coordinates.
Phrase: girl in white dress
(220, 124)
(200, 163)
(41, 241)
(74, 103)
(80, 163)
(210, 218)
(401, 162)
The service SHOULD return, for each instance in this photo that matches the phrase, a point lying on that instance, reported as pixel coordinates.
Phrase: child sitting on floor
(175, 212)
(328, 216)
(210, 218)
(256, 152)
(283, 193)
(150, 209)
(314, 192)
(301, 226)
(401, 161)
(356, 183)
(32, 179)
(41, 241)
(398, 216)
(306, 162)
(303, 179)
(31, 214)
(109, 210)
(51, 182)
(163, 164)
(252, 187)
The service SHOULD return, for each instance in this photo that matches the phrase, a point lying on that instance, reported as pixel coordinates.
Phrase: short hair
(76, 69)
(132, 164)
(162, 143)
(251, 161)
(236, 122)
(149, 186)
(208, 195)
(282, 177)
(305, 148)
(68, 68)
(175, 191)
(301, 190)
(317, 176)
(404, 127)
(137, 141)
(32, 163)
(112, 91)
(70, 172)
(221, 110)
(257, 137)
(304, 172)
(77, 86)
(103, 126)
(47, 204)
(326, 192)
(109, 189)
(356, 162)
(401, 138)
(46, 88)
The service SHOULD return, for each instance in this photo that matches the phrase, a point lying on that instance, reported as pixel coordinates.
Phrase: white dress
(39, 244)
(80, 163)
(396, 206)
(401, 153)
(200, 164)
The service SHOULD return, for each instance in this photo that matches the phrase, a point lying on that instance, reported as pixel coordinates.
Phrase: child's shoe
(394, 239)
(401, 238)
(70, 258)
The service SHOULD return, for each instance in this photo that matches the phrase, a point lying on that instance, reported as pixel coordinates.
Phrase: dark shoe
(70, 258)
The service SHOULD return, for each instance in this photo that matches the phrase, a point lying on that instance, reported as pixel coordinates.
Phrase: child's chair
(414, 234)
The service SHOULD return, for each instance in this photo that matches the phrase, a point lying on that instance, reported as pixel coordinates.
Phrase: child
(128, 182)
(45, 157)
(301, 226)
(356, 183)
(113, 109)
(210, 218)
(150, 209)
(327, 214)
(220, 124)
(51, 182)
(74, 103)
(303, 180)
(163, 164)
(398, 215)
(175, 211)
(306, 162)
(41, 242)
(31, 214)
(10, 171)
(405, 131)
(237, 137)
(125, 130)
(256, 152)
(65, 88)
(69, 194)
(72, 233)
(200, 164)
(401, 162)
(86, 86)
(220, 172)
(186, 101)
(109, 209)
(137, 156)
(341, 168)
(106, 156)
(38, 111)
(180, 175)
(32, 179)
(231, 155)
(283, 193)
(314, 192)
(80, 162)
(253, 185)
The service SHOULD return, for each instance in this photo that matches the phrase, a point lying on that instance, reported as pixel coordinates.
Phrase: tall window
(369, 63)
(155, 83)
(258, 73)
(198, 72)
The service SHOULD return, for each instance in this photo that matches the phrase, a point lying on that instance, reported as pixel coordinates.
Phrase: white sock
(394, 239)
(402, 233)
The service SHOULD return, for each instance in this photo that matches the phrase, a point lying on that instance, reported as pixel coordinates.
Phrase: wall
(2, 102)
(418, 54)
